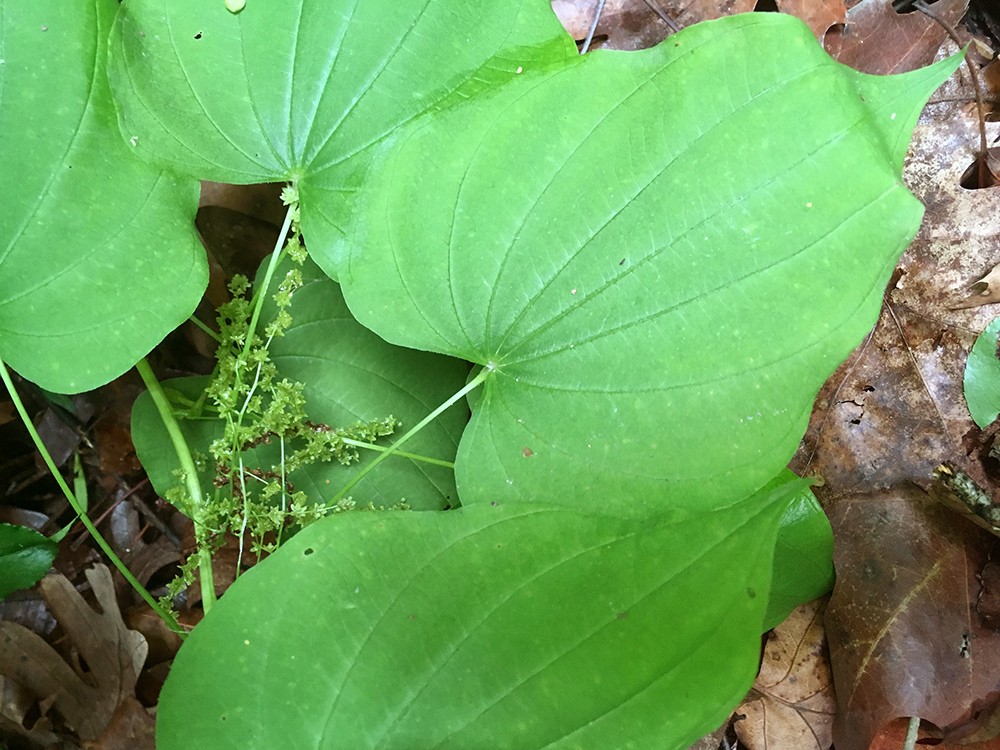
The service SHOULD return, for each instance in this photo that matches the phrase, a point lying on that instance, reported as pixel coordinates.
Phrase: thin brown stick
(920, 5)
(663, 16)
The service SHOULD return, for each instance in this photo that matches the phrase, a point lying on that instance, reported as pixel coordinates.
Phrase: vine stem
(265, 284)
(984, 178)
(190, 478)
(472, 385)
(167, 616)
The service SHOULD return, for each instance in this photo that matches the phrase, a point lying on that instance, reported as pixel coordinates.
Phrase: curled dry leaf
(906, 637)
(792, 702)
(985, 291)
(878, 40)
(114, 656)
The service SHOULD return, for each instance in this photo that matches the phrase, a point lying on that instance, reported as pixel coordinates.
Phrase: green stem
(474, 383)
(912, 731)
(165, 615)
(265, 285)
(194, 319)
(401, 454)
(190, 477)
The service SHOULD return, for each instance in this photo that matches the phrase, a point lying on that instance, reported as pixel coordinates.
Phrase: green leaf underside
(982, 377)
(512, 626)
(803, 553)
(302, 90)
(351, 375)
(98, 254)
(25, 556)
(663, 254)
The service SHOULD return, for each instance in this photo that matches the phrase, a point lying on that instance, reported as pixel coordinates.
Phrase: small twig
(974, 73)
(663, 16)
(593, 28)
(153, 519)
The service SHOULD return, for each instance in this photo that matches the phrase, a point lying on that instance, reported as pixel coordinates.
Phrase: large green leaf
(350, 375)
(98, 254)
(515, 626)
(616, 235)
(302, 90)
(662, 255)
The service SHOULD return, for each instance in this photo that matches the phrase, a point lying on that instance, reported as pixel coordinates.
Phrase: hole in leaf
(198, 35)
(307, 551)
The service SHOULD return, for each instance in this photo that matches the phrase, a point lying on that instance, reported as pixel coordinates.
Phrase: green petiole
(470, 386)
(401, 454)
(81, 511)
(190, 477)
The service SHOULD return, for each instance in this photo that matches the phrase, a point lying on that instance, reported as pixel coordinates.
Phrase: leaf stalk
(81, 512)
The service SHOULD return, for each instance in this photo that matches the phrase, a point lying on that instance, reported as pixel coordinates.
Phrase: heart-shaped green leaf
(302, 90)
(661, 255)
(515, 626)
(350, 375)
(99, 259)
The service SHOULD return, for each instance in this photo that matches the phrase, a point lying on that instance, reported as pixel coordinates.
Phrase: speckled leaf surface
(99, 259)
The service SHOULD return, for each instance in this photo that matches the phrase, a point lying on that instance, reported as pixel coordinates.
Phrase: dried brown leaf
(712, 741)
(131, 728)
(905, 635)
(792, 703)
(818, 15)
(639, 24)
(114, 655)
(896, 409)
(880, 41)
(893, 735)
(985, 291)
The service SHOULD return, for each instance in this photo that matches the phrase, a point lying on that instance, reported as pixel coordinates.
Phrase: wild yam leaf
(661, 254)
(510, 626)
(303, 90)
(99, 259)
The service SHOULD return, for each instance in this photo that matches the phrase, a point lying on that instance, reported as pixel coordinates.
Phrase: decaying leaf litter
(890, 415)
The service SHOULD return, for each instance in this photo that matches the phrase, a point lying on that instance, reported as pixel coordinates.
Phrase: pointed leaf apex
(895, 101)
